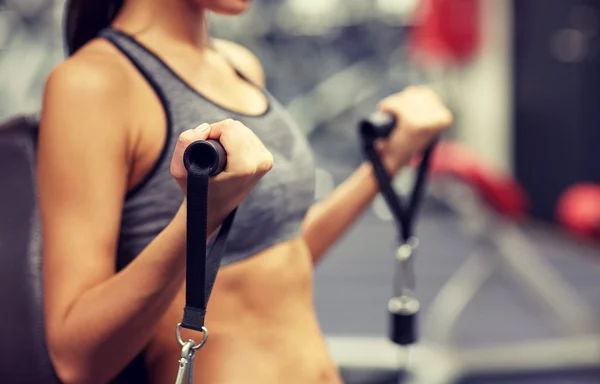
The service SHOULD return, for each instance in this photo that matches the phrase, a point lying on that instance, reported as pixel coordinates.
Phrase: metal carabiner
(185, 362)
(196, 346)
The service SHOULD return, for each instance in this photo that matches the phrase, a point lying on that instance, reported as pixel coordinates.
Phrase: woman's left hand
(421, 116)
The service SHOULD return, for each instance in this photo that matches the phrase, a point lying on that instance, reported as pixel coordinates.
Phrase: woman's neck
(175, 19)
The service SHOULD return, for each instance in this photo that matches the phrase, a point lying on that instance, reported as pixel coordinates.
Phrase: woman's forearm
(112, 322)
(329, 219)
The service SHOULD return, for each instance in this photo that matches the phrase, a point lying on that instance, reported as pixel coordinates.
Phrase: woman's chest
(283, 196)
(286, 192)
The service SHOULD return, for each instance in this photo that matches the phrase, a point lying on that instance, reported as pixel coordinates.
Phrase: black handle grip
(403, 324)
(204, 154)
(377, 126)
(403, 328)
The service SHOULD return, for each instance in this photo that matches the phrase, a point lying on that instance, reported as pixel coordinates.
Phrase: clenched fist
(247, 162)
(421, 116)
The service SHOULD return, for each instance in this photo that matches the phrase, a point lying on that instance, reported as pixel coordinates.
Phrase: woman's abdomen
(262, 324)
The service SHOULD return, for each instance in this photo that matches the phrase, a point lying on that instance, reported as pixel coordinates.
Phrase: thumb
(186, 138)
(201, 132)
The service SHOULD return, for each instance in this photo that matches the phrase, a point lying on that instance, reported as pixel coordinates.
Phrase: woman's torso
(263, 327)
(260, 316)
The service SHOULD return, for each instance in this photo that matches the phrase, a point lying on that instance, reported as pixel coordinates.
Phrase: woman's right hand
(247, 162)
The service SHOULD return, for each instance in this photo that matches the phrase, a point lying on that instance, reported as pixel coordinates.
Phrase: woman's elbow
(68, 371)
(68, 368)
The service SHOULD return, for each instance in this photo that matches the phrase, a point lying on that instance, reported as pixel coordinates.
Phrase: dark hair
(85, 18)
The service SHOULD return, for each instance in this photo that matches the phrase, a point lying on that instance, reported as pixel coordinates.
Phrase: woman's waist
(301, 329)
(295, 353)
(262, 321)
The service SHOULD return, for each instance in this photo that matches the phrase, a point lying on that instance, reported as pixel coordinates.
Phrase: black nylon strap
(201, 268)
(418, 191)
(403, 215)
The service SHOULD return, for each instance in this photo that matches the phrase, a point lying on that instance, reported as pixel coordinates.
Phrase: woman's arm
(96, 320)
(421, 117)
(329, 219)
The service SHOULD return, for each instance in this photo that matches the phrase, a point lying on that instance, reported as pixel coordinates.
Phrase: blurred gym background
(522, 78)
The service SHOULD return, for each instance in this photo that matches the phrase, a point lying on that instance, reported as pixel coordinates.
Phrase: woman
(112, 203)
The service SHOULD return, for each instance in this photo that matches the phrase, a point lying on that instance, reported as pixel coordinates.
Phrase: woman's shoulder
(95, 71)
(243, 59)
(88, 91)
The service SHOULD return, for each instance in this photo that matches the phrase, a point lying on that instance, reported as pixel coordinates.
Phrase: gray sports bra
(273, 211)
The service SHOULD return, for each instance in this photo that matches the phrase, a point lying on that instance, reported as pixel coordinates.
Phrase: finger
(201, 132)
(183, 141)
(216, 129)
(239, 137)
(391, 109)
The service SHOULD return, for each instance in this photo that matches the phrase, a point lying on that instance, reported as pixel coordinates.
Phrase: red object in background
(497, 188)
(446, 29)
(578, 210)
